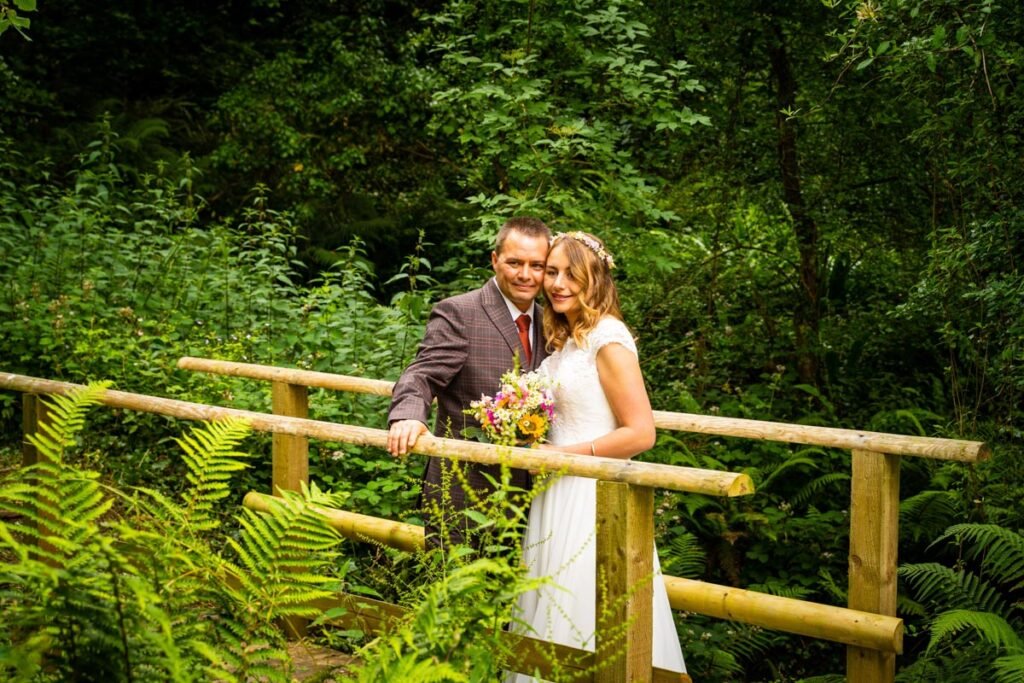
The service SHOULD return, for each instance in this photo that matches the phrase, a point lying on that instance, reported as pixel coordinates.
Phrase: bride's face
(561, 289)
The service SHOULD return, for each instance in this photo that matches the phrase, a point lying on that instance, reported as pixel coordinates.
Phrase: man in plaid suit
(469, 343)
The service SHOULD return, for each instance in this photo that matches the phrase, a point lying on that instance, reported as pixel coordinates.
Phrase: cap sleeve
(610, 331)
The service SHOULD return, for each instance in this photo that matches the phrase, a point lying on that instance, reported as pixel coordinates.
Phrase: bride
(603, 410)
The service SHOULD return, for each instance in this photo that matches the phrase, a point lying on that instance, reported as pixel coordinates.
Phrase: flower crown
(591, 243)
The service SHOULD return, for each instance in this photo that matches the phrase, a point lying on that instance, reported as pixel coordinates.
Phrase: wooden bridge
(868, 626)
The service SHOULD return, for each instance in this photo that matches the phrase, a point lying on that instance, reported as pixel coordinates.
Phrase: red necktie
(523, 323)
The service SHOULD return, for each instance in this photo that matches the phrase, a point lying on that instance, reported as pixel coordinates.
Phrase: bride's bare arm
(623, 384)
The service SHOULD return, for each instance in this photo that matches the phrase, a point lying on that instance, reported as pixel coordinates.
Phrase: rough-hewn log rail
(848, 439)
(827, 622)
(608, 469)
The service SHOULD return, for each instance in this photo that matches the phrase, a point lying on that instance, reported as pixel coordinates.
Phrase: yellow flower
(531, 425)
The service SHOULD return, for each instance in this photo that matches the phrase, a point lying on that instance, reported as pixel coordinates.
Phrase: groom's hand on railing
(403, 434)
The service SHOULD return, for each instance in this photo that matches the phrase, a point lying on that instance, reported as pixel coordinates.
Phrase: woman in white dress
(602, 409)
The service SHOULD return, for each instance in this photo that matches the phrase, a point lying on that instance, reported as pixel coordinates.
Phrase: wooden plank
(847, 439)
(874, 538)
(625, 567)
(613, 469)
(290, 451)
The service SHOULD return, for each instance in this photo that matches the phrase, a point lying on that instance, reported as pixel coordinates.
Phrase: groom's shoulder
(472, 299)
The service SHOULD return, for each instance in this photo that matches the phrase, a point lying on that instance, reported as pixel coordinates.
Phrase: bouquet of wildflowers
(520, 414)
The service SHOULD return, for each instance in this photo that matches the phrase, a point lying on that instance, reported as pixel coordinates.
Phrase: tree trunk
(807, 314)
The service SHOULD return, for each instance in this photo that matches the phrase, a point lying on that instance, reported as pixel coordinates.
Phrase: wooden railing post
(290, 452)
(874, 537)
(625, 567)
(33, 412)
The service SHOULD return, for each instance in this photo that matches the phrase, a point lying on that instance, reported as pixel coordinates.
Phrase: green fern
(816, 485)
(992, 628)
(798, 459)
(928, 513)
(140, 590)
(284, 551)
(952, 589)
(828, 582)
(56, 506)
(454, 632)
(1000, 551)
(683, 556)
(212, 458)
(1009, 669)
(973, 622)
(65, 417)
(751, 643)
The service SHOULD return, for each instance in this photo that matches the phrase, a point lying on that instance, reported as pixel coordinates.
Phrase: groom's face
(519, 268)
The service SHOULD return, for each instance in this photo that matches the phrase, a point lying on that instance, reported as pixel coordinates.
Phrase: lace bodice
(582, 409)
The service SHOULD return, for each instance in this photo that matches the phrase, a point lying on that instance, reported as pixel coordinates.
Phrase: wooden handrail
(832, 437)
(828, 622)
(688, 479)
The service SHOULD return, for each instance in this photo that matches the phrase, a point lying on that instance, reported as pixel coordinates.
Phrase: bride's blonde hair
(590, 266)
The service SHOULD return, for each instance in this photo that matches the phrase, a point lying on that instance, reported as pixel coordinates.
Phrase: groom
(469, 343)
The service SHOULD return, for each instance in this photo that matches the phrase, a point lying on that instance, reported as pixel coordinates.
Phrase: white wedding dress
(560, 536)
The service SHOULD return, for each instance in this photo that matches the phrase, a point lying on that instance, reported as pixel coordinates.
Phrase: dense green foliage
(147, 593)
(816, 209)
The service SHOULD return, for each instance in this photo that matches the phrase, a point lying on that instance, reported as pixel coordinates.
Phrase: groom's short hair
(528, 225)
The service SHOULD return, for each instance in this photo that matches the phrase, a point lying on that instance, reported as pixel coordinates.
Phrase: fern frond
(211, 455)
(946, 588)
(696, 502)
(284, 552)
(1009, 669)
(992, 628)
(683, 556)
(816, 485)
(746, 643)
(837, 592)
(65, 417)
(1000, 550)
(796, 460)
(926, 514)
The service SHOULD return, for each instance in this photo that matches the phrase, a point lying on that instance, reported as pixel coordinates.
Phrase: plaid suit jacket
(468, 344)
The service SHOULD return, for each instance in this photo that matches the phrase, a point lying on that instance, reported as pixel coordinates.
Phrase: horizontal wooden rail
(352, 525)
(688, 479)
(849, 439)
(837, 624)
(270, 373)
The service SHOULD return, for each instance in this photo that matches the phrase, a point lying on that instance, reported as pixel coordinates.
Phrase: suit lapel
(497, 311)
(539, 352)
